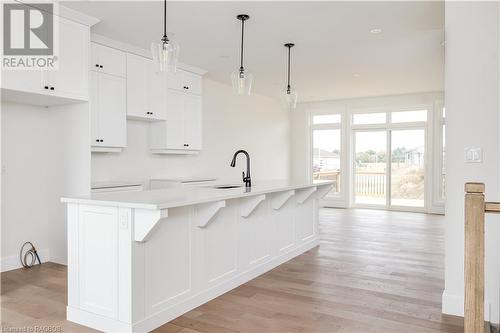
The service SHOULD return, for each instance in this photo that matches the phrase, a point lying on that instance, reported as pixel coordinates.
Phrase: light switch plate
(474, 155)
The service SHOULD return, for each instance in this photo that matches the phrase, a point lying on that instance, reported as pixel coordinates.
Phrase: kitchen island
(137, 260)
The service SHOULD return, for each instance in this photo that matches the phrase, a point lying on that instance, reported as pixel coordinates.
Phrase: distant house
(415, 157)
(325, 160)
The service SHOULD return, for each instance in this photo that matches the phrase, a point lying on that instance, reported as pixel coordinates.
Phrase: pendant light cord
(242, 40)
(289, 53)
(165, 21)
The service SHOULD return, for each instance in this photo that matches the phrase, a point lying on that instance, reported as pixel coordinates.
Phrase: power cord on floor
(29, 256)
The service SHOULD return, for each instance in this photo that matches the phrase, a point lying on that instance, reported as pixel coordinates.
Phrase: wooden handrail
(474, 258)
(492, 207)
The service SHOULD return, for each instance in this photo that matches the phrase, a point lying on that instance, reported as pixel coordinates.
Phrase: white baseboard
(13, 262)
(454, 305)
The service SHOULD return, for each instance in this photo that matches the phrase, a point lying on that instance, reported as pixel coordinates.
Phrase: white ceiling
(335, 56)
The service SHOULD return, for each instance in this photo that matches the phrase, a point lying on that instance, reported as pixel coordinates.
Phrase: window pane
(326, 156)
(368, 118)
(326, 119)
(408, 168)
(409, 116)
(370, 167)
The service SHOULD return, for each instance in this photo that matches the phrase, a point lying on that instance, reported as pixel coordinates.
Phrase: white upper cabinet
(108, 111)
(192, 123)
(71, 78)
(108, 60)
(146, 90)
(181, 133)
(185, 81)
(68, 83)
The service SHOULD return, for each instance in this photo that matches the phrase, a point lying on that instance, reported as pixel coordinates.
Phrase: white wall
(255, 123)
(45, 155)
(300, 140)
(472, 108)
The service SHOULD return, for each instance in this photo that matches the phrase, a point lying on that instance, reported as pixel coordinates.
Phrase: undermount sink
(225, 187)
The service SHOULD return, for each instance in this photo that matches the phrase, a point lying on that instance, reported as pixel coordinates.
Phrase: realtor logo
(28, 36)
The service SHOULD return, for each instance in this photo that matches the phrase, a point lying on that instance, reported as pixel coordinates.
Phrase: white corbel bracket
(249, 204)
(145, 220)
(304, 193)
(206, 212)
(323, 190)
(281, 198)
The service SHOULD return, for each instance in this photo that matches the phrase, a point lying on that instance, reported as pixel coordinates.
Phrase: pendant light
(242, 79)
(166, 52)
(289, 96)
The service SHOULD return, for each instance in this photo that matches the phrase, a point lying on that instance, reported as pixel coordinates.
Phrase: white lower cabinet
(181, 133)
(108, 112)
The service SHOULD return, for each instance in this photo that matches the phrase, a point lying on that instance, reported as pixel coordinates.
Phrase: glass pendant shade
(165, 55)
(289, 98)
(242, 82)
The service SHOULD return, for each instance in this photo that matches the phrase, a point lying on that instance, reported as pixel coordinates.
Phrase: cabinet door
(175, 120)
(192, 83)
(108, 60)
(21, 80)
(32, 81)
(137, 87)
(112, 114)
(157, 93)
(71, 78)
(176, 80)
(94, 110)
(193, 121)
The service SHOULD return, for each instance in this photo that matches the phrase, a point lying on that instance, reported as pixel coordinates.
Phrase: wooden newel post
(474, 258)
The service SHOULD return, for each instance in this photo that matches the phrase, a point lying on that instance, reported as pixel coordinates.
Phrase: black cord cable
(30, 257)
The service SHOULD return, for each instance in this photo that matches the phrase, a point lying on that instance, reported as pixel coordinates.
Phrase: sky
(371, 140)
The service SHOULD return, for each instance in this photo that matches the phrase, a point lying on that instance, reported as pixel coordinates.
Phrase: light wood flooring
(374, 271)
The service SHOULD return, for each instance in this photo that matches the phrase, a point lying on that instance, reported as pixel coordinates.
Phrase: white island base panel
(186, 255)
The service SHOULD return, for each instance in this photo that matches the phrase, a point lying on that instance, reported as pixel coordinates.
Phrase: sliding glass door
(370, 167)
(408, 168)
(395, 179)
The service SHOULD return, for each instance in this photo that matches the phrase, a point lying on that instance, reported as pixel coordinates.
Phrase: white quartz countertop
(178, 197)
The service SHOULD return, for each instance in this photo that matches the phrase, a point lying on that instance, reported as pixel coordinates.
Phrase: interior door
(370, 168)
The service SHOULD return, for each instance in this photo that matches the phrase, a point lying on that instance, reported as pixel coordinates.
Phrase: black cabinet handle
(101, 140)
(96, 65)
(97, 140)
(46, 87)
(51, 88)
(186, 145)
(101, 66)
